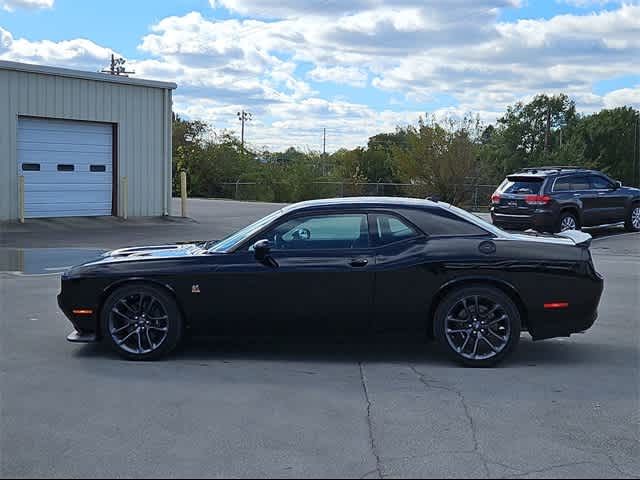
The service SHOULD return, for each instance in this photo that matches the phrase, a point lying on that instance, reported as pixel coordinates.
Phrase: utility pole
(636, 149)
(547, 136)
(560, 137)
(244, 117)
(324, 152)
(117, 67)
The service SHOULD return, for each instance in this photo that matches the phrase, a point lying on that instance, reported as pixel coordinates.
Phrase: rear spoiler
(581, 239)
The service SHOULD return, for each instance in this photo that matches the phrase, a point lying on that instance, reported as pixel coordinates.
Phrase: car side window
(321, 232)
(600, 183)
(563, 184)
(390, 229)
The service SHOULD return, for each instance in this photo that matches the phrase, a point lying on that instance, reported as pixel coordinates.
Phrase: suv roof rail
(565, 167)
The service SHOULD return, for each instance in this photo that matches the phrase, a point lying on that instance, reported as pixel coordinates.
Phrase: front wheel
(141, 322)
(632, 223)
(478, 326)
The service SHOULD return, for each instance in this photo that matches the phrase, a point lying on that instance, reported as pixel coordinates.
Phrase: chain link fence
(474, 197)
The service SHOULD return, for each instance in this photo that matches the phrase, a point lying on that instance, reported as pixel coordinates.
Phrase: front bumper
(85, 326)
(77, 337)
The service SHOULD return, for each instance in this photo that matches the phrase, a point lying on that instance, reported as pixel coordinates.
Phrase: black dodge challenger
(343, 266)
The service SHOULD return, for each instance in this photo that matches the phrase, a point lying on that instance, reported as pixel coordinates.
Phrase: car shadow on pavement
(201, 351)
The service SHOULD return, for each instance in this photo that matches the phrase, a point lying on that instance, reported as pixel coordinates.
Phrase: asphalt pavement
(364, 408)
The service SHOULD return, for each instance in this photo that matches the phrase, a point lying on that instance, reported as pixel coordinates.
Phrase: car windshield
(230, 242)
(521, 185)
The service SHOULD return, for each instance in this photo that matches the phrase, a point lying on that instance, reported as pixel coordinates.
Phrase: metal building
(83, 144)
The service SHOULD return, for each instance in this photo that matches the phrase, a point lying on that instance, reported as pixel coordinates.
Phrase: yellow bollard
(125, 197)
(183, 192)
(21, 198)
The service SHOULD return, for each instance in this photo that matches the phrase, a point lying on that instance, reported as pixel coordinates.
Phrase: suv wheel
(568, 221)
(632, 224)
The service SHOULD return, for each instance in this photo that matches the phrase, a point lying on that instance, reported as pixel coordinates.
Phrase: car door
(318, 279)
(581, 189)
(610, 199)
(399, 299)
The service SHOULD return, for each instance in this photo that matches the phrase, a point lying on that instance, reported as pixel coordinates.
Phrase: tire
(567, 218)
(501, 329)
(632, 222)
(147, 316)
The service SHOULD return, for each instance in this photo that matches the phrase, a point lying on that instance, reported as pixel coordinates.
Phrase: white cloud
(341, 75)
(6, 40)
(11, 5)
(623, 97)
(589, 3)
(417, 51)
(78, 53)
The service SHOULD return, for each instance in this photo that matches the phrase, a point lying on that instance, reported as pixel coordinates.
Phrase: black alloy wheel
(479, 326)
(141, 322)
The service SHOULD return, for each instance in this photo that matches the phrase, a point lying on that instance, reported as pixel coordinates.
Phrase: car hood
(157, 251)
(141, 254)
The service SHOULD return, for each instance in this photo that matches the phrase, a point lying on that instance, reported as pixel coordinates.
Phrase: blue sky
(356, 67)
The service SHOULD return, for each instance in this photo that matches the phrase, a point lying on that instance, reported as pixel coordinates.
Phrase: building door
(67, 167)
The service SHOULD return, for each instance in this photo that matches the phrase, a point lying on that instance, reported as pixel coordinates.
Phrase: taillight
(537, 199)
(495, 198)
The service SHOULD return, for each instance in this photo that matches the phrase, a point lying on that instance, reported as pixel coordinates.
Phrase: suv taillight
(495, 198)
(537, 199)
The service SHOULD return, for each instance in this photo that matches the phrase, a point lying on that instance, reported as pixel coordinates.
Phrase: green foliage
(433, 157)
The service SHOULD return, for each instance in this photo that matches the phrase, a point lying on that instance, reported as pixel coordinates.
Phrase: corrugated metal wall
(142, 115)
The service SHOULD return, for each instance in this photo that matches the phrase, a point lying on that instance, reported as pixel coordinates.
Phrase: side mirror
(618, 184)
(261, 249)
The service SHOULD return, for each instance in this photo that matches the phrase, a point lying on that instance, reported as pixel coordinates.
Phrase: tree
(529, 134)
(605, 141)
(441, 157)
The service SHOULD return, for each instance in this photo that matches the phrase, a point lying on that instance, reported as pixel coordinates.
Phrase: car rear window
(522, 185)
(440, 222)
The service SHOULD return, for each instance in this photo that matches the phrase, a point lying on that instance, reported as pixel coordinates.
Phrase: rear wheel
(568, 221)
(632, 223)
(478, 326)
(141, 322)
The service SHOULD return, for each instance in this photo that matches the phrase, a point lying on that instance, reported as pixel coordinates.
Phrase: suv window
(521, 185)
(575, 182)
(562, 185)
(437, 221)
(600, 183)
(390, 229)
(321, 232)
(580, 183)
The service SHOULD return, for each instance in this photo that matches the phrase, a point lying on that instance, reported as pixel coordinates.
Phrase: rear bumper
(542, 220)
(579, 317)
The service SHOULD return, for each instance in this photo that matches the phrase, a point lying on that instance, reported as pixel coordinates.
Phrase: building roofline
(99, 77)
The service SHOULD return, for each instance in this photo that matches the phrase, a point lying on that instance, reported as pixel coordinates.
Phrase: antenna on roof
(117, 67)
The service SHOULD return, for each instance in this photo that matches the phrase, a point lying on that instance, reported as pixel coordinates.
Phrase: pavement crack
(553, 467)
(372, 438)
(473, 428)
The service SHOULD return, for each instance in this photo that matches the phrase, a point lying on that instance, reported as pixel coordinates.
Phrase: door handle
(359, 262)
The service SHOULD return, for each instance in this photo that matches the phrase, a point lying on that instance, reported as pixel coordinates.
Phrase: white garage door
(67, 167)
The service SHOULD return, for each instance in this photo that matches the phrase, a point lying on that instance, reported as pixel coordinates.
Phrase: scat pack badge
(195, 289)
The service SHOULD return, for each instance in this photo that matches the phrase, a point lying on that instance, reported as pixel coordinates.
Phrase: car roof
(381, 202)
(550, 171)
